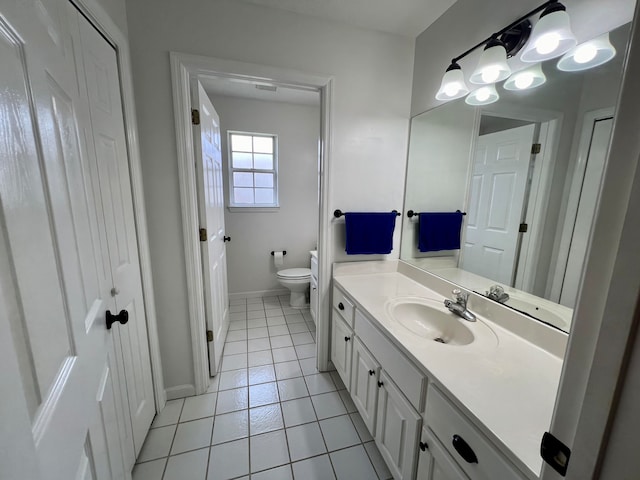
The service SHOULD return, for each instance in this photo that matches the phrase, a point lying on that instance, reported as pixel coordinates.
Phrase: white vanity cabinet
(365, 373)
(434, 462)
(341, 346)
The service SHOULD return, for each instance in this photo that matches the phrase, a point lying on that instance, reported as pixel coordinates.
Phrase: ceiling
(228, 87)
(408, 18)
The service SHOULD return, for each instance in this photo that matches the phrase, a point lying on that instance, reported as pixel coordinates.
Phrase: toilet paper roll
(278, 259)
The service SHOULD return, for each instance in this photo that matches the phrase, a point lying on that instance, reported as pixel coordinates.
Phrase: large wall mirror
(527, 171)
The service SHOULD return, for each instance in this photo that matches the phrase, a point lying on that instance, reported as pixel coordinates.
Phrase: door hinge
(523, 228)
(195, 116)
(203, 234)
(209, 335)
(555, 453)
(536, 148)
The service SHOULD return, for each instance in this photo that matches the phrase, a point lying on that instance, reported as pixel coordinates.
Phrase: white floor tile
(233, 348)
(238, 301)
(257, 359)
(281, 341)
(316, 468)
(261, 374)
(348, 402)
(233, 379)
(254, 300)
(255, 307)
(229, 460)
(339, 432)
(257, 344)
(169, 414)
(234, 362)
(337, 380)
(157, 443)
(280, 473)
(286, 354)
(274, 312)
(237, 316)
(149, 470)
(293, 317)
(263, 394)
(352, 464)
(259, 332)
(292, 388)
(256, 319)
(326, 405)
(288, 370)
(236, 335)
(275, 321)
(268, 451)
(232, 400)
(302, 338)
(305, 441)
(188, 466)
(319, 383)
(361, 428)
(265, 419)
(308, 366)
(297, 328)
(238, 308)
(297, 412)
(306, 351)
(378, 462)
(199, 406)
(230, 426)
(239, 325)
(213, 384)
(192, 435)
(277, 330)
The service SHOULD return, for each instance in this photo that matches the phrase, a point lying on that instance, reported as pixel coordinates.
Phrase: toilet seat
(294, 273)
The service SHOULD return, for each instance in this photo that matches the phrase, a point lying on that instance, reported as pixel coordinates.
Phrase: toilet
(297, 281)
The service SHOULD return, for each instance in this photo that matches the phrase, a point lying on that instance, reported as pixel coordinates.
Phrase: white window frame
(246, 207)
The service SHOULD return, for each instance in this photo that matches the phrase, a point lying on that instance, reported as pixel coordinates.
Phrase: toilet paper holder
(284, 252)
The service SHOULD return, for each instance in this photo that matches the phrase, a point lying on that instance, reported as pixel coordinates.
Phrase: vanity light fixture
(526, 79)
(551, 36)
(492, 66)
(483, 96)
(453, 85)
(589, 54)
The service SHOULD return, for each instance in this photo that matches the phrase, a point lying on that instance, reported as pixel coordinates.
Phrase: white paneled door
(496, 200)
(211, 217)
(64, 412)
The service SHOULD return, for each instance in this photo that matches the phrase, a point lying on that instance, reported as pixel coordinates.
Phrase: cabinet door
(364, 379)
(434, 462)
(341, 345)
(397, 429)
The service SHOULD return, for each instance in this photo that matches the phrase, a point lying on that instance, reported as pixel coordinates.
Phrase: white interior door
(54, 280)
(211, 215)
(99, 76)
(498, 183)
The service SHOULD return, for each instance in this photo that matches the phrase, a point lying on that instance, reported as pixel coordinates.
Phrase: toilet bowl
(297, 281)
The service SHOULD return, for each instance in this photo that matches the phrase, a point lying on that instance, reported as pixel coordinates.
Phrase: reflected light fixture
(453, 85)
(526, 79)
(492, 66)
(551, 36)
(589, 54)
(483, 96)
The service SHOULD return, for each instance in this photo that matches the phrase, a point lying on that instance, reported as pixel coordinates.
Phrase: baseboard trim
(259, 293)
(180, 391)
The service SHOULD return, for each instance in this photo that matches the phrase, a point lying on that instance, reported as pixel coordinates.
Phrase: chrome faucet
(459, 308)
(497, 293)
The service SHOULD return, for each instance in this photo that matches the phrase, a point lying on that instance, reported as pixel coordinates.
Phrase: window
(253, 169)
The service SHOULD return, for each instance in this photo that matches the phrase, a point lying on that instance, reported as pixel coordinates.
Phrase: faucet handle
(459, 296)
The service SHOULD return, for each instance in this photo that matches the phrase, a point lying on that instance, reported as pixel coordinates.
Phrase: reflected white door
(57, 355)
(498, 183)
(211, 216)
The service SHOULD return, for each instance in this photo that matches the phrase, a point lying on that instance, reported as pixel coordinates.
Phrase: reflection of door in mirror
(497, 199)
(585, 187)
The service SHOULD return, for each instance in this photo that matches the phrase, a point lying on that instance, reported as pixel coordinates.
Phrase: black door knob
(372, 372)
(226, 239)
(340, 306)
(122, 317)
(346, 339)
(380, 384)
(423, 446)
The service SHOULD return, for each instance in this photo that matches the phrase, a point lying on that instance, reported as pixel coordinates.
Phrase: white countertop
(509, 386)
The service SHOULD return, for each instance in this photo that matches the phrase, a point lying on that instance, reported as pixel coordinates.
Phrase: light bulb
(547, 43)
(585, 53)
(451, 89)
(483, 94)
(490, 74)
(524, 80)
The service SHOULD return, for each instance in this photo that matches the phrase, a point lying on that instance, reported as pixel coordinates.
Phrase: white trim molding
(184, 68)
(103, 22)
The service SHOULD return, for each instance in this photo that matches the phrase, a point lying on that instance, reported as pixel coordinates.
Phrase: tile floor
(268, 415)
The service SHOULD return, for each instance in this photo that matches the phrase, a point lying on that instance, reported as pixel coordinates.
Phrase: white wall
(372, 73)
(117, 10)
(294, 227)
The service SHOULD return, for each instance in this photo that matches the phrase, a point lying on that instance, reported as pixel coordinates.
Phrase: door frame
(95, 13)
(184, 67)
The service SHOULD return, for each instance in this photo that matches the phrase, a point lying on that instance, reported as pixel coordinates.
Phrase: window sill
(270, 209)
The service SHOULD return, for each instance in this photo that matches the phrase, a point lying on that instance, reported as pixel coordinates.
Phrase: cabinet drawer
(404, 373)
(448, 423)
(343, 306)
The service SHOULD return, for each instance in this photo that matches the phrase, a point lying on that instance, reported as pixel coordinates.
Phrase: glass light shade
(550, 38)
(528, 78)
(453, 85)
(587, 55)
(492, 66)
(483, 96)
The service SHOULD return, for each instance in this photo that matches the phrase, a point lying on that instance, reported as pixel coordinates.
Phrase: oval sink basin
(430, 321)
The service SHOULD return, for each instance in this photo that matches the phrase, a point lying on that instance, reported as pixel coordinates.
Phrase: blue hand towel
(369, 233)
(439, 231)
